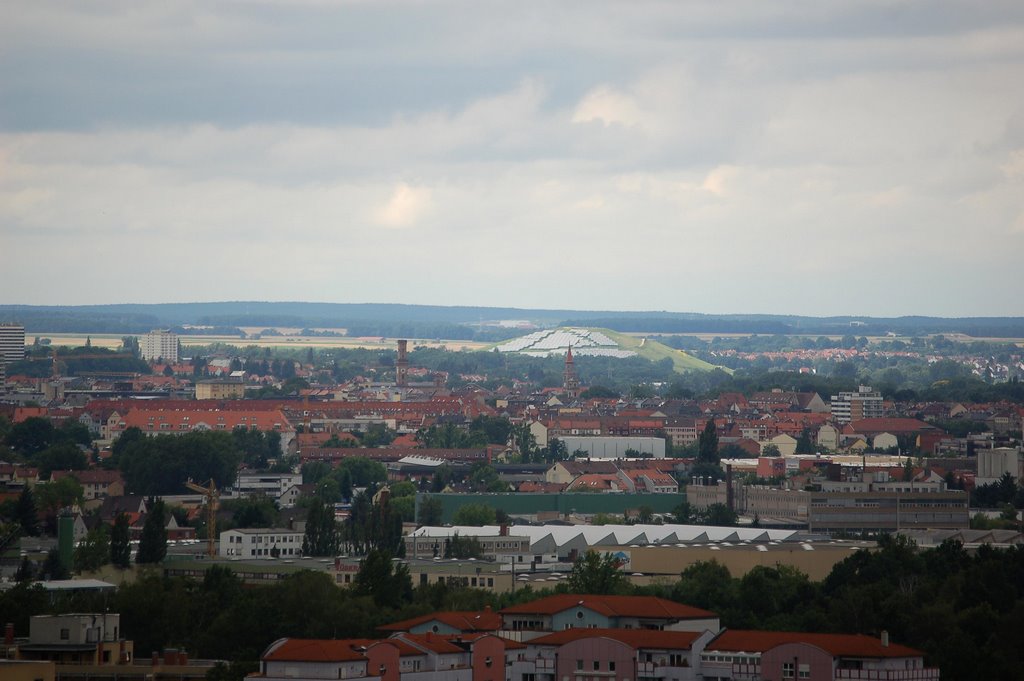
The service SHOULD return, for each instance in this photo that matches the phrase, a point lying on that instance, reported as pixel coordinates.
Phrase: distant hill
(591, 342)
(437, 321)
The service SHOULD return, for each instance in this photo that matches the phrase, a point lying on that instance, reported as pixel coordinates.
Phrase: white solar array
(605, 352)
(552, 341)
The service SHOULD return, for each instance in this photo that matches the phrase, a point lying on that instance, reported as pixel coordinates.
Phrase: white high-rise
(12, 343)
(159, 344)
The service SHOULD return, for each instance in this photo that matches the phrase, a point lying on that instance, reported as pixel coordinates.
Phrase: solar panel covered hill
(599, 343)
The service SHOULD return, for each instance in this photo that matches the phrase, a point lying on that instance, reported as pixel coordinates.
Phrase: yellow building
(224, 389)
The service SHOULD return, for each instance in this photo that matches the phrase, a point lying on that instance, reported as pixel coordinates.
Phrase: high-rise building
(863, 404)
(159, 344)
(12, 343)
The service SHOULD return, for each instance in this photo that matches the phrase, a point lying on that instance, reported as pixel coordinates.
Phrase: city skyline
(854, 159)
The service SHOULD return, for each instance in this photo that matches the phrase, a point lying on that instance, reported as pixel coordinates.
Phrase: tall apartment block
(12, 347)
(159, 344)
(863, 404)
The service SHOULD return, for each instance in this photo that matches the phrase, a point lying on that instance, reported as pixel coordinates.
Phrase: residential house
(97, 483)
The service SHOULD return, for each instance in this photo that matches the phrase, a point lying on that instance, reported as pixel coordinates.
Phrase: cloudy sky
(780, 157)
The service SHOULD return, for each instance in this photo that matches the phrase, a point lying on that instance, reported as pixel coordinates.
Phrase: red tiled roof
(432, 642)
(838, 645)
(484, 620)
(611, 606)
(635, 638)
(317, 650)
(92, 476)
(178, 421)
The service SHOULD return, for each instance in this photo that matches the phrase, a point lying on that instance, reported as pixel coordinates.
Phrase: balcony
(888, 674)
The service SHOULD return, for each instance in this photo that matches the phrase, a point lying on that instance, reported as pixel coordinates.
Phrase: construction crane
(211, 495)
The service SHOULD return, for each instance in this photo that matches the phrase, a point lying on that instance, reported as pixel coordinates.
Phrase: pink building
(779, 656)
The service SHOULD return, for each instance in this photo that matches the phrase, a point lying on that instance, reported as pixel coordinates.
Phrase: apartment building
(854, 406)
(159, 344)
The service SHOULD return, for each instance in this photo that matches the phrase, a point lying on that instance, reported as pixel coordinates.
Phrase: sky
(817, 158)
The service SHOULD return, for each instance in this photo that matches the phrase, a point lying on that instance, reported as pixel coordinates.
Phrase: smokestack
(729, 501)
(885, 638)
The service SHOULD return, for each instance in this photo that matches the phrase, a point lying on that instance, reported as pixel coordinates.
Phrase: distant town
(535, 501)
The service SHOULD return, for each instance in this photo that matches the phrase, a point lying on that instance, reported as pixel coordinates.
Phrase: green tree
(597, 573)
(707, 585)
(386, 581)
(475, 515)
(53, 567)
(255, 511)
(720, 515)
(26, 513)
(153, 543)
(120, 542)
(60, 457)
(430, 513)
(463, 547)
(51, 497)
(93, 552)
(363, 471)
(707, 444)
(31, 436)
(321, 538)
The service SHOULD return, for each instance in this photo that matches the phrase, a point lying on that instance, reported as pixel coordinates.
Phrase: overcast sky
(809, 157)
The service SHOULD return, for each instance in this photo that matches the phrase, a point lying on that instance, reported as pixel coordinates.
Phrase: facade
(273, 485)
(159, 344)
(863, 404)
(861, 506)
(776, 656)
(528, 621)
(272, 542)
(503, 548)
(77, 638)
(12, 343)
(220, 389)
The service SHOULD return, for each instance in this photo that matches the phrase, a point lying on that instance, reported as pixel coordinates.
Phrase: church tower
(570, 382)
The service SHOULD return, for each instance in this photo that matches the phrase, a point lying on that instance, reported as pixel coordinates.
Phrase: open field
(958, 337)
(113, 341)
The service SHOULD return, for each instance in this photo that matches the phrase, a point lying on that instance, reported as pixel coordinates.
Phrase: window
(788, 669)
(804, 671)
(611, 665)
(65, 634)
(597, 665)
(579, 665)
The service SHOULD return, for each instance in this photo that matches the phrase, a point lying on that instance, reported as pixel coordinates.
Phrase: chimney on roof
(9, 633)
(885, 638)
